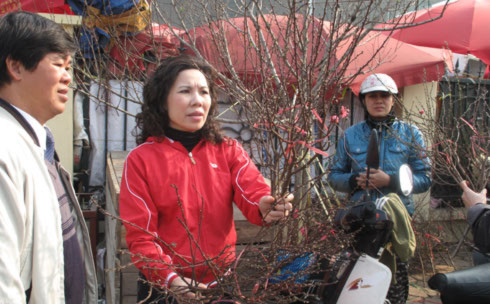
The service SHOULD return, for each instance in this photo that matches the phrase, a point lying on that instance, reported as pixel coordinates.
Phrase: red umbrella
(129, 52)
(37, 6)
(407, 64)
(248, 52)
(464, 27)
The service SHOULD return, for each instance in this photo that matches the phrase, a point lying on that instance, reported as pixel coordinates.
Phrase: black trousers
(398, 293)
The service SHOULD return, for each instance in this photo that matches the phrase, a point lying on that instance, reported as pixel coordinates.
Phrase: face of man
(45, 90)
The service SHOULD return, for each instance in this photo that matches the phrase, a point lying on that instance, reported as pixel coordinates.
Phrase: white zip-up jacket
(31, 242)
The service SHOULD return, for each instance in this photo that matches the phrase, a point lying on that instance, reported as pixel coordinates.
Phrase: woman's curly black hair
(153, 118)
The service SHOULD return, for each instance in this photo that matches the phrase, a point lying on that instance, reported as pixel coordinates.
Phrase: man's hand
(180, 286)
(273, 211)
(377, 179)
(470, 197)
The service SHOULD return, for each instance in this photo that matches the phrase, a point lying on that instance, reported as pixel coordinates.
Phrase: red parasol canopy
(407, 64)
(132, 53)
(36, 6)
(248, 52)
(464, 27)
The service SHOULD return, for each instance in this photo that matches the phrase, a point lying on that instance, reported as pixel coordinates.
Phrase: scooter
(357, 276)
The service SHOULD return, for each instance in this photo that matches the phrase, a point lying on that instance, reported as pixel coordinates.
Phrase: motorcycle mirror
(406, 179)
(372, 157)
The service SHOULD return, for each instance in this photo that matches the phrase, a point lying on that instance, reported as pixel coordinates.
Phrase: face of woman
(188, 101)
(379, 104)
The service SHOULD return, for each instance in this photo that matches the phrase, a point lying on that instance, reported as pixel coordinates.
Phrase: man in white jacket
(45, 254)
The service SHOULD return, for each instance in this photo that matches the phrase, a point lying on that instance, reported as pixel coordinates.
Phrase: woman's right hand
(180, 286)
(273, 212)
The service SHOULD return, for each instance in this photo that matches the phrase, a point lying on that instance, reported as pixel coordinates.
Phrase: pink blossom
(256, 288)
(334, 119)
(343, 112)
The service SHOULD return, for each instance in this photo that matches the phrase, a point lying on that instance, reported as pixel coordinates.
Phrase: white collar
(36, 126)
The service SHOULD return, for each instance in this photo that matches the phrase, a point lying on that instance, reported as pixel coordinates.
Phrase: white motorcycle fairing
(368, 283)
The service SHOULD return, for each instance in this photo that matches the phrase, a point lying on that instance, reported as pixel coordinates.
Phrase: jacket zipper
(200, 233)
(192, 159)
(381, 147)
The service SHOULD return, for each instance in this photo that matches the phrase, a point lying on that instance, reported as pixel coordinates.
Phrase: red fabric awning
(247, 52)
(407, 64)
(464, 27)
(138, 54)
(36, 6)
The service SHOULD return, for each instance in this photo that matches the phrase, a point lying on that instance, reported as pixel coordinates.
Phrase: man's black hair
(27, 38)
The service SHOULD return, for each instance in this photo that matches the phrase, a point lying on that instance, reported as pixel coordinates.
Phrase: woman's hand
(180, 286)
(273, 211)
(377, 179)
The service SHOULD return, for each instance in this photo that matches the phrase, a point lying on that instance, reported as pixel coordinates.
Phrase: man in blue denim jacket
(399, 143)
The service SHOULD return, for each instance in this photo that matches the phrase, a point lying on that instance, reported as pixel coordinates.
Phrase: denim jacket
(399, 143)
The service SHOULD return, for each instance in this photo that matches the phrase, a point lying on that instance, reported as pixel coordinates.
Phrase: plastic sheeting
(79, 132)
(80, 136)
(104, 21)
(106, 8)
(110, 128)
(37, 6)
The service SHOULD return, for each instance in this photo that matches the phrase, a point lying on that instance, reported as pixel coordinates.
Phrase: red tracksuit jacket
(185, 200)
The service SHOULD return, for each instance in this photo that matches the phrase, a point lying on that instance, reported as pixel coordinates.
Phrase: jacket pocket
(358, 157)
(397, 155)
(398, 148)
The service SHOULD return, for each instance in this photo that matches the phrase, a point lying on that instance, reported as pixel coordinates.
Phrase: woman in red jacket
(178, 185)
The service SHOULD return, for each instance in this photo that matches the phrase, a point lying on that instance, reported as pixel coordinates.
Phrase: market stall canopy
(464, 27)
(139, 53)
(240, 47)
(36, 6)
(407, 64)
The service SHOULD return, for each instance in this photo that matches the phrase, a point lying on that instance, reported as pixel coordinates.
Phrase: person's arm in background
(340, 177)
(478, 216)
